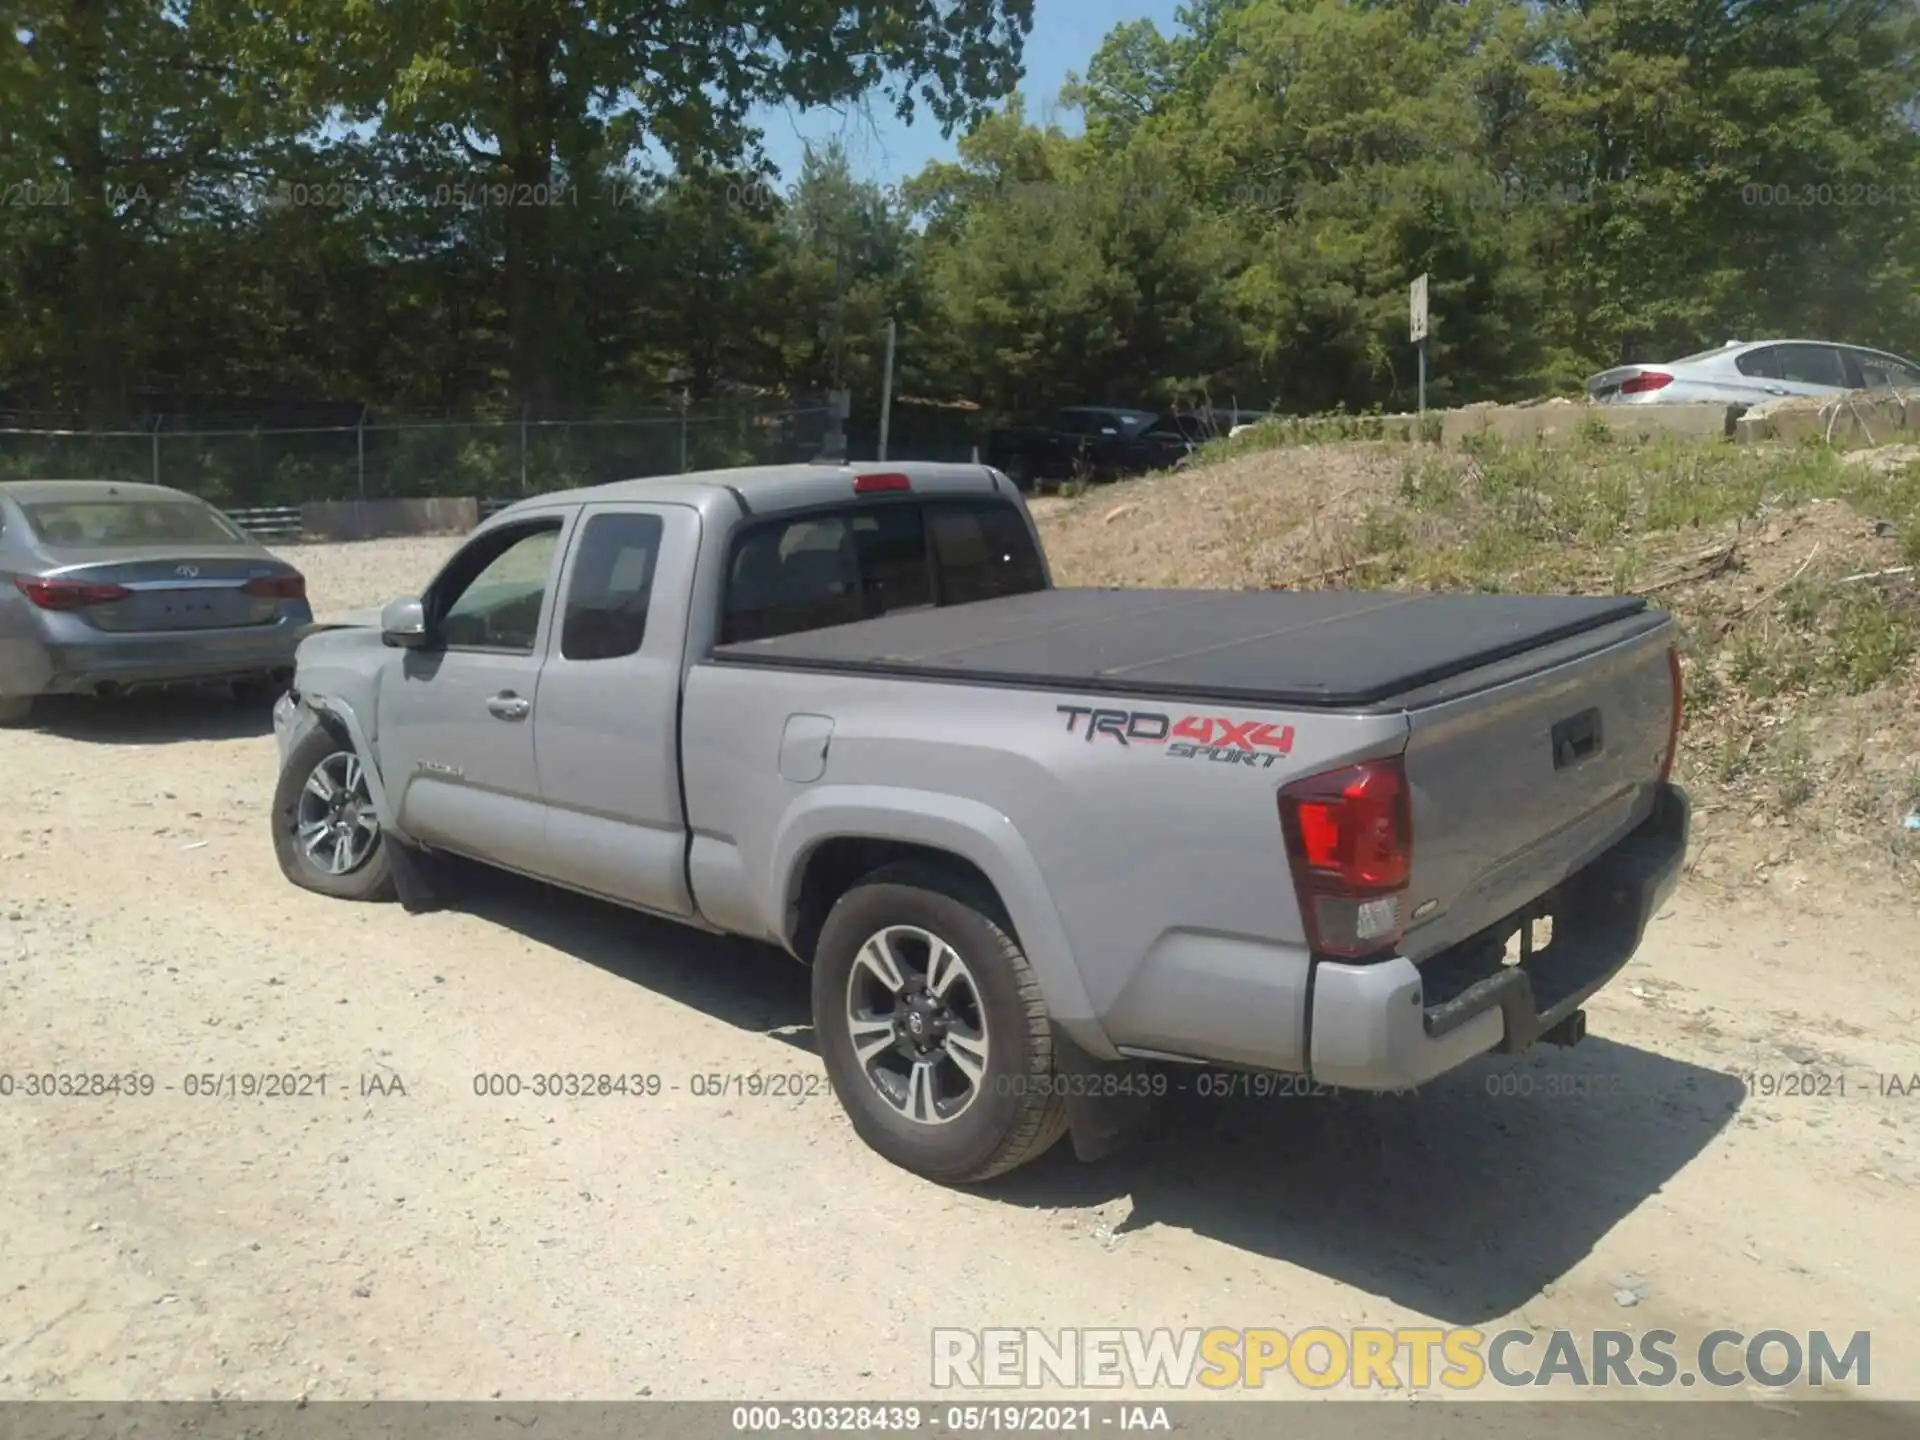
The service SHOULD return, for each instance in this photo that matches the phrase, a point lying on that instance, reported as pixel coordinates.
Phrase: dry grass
(1802, 727)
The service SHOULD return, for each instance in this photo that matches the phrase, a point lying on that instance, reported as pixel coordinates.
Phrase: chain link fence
(405, 459)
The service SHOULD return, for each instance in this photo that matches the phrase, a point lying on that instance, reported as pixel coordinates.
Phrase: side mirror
(404, 623)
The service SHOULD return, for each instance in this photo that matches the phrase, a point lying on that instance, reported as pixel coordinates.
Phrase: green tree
(530, 95)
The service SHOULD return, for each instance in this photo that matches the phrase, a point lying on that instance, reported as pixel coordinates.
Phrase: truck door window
(490, 598)
(982, 551)
(606, 614)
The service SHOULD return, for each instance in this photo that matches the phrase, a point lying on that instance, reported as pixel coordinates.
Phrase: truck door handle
(509, 706)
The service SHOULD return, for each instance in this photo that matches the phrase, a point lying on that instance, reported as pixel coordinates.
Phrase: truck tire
(16, 709)
(325, 833)
(933, 1029)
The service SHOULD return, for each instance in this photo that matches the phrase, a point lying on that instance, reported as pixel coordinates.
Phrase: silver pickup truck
(1034, 843)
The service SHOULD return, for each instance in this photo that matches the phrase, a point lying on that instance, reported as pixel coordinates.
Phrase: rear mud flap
(1100, 1123)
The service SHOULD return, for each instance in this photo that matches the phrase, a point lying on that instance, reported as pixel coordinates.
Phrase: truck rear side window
(606, 614)
(820, 570)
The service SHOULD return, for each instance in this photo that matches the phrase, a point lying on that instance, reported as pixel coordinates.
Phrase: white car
(1748, 372)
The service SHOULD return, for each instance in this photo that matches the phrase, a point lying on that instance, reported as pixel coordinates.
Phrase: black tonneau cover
(1313, 648)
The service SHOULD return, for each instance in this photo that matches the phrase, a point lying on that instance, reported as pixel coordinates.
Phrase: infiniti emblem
(190, 571)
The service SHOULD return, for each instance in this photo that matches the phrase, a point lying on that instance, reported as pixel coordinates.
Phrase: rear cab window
(812, 571)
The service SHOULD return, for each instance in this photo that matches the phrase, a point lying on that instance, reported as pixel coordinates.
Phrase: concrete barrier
(1860, 417)
(1556, 419)
(1562, 419)
(382, 519)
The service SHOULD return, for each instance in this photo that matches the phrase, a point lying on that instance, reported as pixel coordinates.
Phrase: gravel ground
(400, 1235)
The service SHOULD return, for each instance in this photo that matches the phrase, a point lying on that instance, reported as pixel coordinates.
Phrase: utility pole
(886, 390)
(1417, 308)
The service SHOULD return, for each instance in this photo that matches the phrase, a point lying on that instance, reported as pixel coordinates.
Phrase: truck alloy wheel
(918, 1026)
(932, 1026)
(335, 822)
(326, 829)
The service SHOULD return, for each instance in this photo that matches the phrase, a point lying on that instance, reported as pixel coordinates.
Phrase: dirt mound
(1259, 520)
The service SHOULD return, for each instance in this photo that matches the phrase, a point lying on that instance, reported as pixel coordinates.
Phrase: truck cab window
(785, 578)
(890, 547)
(817, 571)
(492, 601)
(606, 614)
(983, 551)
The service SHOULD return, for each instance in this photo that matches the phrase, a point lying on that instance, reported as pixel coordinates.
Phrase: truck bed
(1327, 649)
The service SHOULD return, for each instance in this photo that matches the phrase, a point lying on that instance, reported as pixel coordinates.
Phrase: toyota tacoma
(1032, 841)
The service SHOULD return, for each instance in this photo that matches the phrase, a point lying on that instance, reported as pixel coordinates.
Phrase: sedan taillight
(278, 587)
(1646, 380)
(69, 594)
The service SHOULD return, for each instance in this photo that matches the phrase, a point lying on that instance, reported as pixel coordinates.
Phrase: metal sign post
(1417, 306)
(833, 448)
(886, 391)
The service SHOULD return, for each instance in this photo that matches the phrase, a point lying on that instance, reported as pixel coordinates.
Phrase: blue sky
(1065, 35)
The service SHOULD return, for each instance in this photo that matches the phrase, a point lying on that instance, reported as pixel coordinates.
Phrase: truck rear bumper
(1392, 1024)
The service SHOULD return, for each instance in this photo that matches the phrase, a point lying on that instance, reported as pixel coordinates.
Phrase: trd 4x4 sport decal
(1187, 737)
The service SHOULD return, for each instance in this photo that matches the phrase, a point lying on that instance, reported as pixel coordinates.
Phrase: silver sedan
(1749, 372)
(107, 587)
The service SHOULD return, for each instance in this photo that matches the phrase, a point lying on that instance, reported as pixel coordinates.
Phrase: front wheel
(933, 1029)
(16, 709)
(326, 834)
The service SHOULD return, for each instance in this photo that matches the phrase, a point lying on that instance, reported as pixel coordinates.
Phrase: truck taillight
(277, 587)
(1673, 722)
(1646, 380)
(1349, 837)
(880, 484)
(69, 594)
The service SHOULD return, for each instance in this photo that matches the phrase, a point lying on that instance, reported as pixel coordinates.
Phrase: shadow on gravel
(158, 717)
(1462, 1200)
(753, 987)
